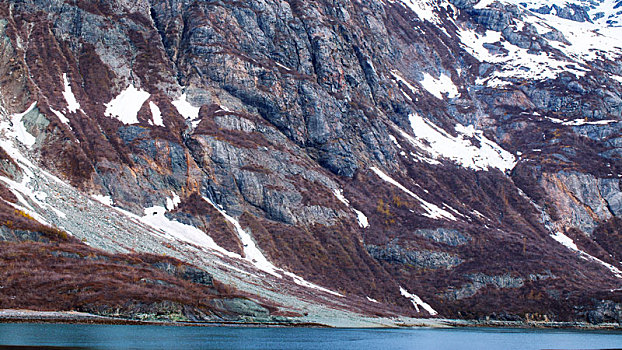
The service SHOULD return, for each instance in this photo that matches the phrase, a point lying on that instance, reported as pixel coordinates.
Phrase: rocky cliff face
(330, 159)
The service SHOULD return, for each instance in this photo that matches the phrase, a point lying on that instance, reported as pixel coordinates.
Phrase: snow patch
(394, 140)
(154, 217)
(106, 200)
(418, 302)
(339, 194)
(440, 86)
(432, 210)
(172, 203)
(516, 62)
(156, 114)
(70, 98)
(25, 192)
(412, 89)
(459, 149)
(361, 218)
(580, 122)
(588, 41)
(126, 105)
(424, 10)
(16, 129)
(187, 110)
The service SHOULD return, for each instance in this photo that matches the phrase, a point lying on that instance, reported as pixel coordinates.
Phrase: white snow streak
(60, 116)
(72, 103)
(25, 192)
(155, 218)
(432, 210)
(302, 282)
(156, 114)
(418, 302)
(251, 252)
(30, 197)
(339, 194)
(580, 122)
(394, 140)
(360, 217)
(570, 244)
(412, 89)
(372, 300)
(565, 241)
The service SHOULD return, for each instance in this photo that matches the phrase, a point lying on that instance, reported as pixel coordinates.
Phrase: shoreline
(535, 325)
(72, 317)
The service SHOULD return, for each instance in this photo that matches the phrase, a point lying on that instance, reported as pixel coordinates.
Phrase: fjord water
(163, 337)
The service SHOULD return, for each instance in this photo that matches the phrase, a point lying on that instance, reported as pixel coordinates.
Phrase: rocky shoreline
(72, 317)
(535, 325)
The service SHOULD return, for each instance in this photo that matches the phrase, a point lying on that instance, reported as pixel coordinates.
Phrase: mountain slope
(414, 158)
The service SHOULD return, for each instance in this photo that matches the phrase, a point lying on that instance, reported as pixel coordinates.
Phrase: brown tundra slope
(319, 160)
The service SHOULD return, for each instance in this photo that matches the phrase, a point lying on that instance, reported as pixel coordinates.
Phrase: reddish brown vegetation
(6, 194)
(332, 257)
(518, 245)
(72, 276)
(17, 220)
(609, 236)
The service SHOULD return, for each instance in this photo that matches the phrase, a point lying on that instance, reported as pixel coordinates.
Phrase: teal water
(161, 337)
